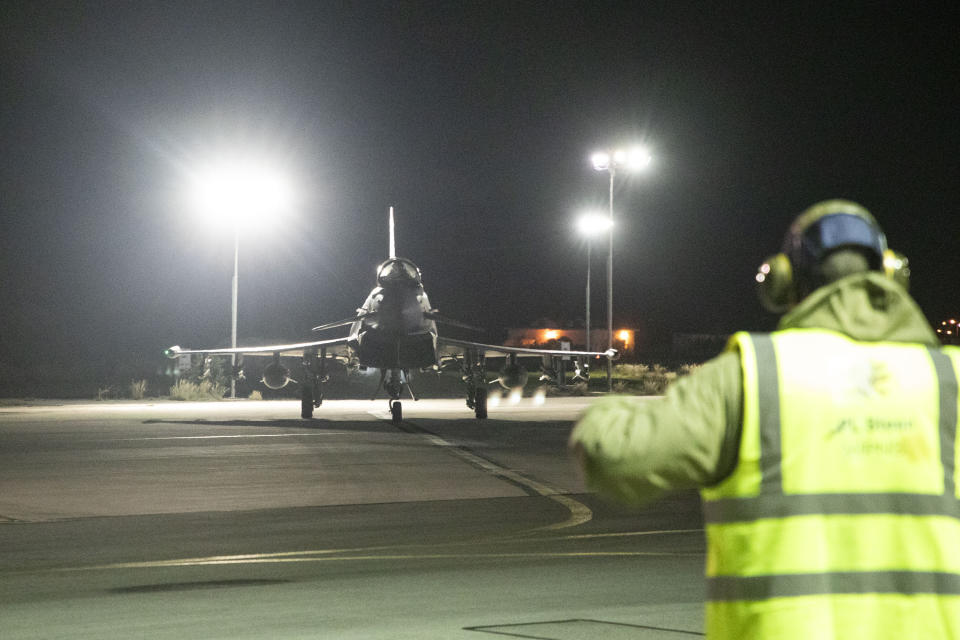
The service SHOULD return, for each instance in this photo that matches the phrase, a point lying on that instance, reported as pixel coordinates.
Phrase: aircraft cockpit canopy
(396, 271)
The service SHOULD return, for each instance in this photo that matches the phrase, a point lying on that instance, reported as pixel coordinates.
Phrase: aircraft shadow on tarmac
(281, 423)
(193, 586)
(314, 423)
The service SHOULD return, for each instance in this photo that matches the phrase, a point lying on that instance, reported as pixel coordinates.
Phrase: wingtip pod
(611, 354)
(172, 352)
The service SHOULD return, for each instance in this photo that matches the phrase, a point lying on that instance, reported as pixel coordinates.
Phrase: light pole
(591, 224)
(633, 159)
(235, 194)
(233, 309)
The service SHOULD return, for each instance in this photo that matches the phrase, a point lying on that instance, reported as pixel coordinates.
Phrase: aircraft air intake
(513, 376)
(276, 376)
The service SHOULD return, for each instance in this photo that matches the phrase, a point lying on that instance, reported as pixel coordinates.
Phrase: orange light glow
(624, 335)
(550, 334)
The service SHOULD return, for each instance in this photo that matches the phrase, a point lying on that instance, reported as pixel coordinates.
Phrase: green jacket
(634, 448)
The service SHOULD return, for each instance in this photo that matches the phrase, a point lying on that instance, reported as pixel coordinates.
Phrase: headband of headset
(821, 229)
(832, 225)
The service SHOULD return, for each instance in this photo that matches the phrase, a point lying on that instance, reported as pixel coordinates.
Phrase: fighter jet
(395, 331)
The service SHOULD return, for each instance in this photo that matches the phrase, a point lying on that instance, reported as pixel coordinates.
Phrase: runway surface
(240, 520)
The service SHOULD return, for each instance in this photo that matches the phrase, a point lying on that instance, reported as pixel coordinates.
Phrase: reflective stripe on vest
(835, 529)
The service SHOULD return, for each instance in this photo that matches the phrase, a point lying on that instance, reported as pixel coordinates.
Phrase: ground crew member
(825, 451)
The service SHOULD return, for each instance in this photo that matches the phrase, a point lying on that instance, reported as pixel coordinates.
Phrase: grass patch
(138, 389)
(193, 391)
(639, 379)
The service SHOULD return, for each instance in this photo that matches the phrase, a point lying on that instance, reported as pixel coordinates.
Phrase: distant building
(672, 349)
(624, 340)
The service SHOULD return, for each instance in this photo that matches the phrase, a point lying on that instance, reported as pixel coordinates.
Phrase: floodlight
(636, 159)
(234, 194)
(240, 191)
(631, 159)
(600, 160)
(592, 224)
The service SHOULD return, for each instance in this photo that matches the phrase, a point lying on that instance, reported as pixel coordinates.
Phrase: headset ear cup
(897, 267)
(776, 286)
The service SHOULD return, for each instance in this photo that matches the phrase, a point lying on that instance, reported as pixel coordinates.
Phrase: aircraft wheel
(396, 412)
(480, 402)
(306, 402)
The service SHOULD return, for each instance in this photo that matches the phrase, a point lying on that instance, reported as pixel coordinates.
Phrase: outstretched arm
(634, 448)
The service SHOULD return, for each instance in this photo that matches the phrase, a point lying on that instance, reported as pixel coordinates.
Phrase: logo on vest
(874, 379)
(875, 435)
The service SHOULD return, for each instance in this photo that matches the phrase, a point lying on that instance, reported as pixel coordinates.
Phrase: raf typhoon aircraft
(395, 331)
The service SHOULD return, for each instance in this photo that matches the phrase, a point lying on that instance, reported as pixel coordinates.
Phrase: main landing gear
(311, 387)
(473, 369)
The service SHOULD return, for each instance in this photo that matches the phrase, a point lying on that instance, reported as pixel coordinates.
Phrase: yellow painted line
(579, 512)
(275, 558)
(368, 553)
(625, 534)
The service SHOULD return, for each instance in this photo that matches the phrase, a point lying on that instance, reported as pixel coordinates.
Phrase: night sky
(475, 120)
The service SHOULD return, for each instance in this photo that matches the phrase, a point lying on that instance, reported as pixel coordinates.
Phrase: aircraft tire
(306, 402)
(396, 412)
(480, 403)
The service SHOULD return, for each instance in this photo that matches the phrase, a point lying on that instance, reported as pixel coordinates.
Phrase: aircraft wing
(335, 346)
(450, 346)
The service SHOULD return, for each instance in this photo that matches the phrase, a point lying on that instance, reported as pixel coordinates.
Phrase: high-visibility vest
(841, 519)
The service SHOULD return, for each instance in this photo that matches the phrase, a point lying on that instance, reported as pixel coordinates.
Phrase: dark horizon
(476, 123)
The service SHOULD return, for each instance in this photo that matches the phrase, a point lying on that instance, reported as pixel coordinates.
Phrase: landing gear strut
(474, 374)
(306, 400)
(480, 402)
(311, 388)
(394, 387)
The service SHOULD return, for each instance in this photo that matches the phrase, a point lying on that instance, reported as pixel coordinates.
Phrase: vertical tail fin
(393, 246)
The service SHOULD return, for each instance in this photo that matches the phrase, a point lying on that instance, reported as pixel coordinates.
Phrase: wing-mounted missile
(548, 373)
(581, 370)
(513, 375)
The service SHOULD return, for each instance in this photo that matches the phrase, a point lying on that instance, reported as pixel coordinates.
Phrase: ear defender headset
(826, 226)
